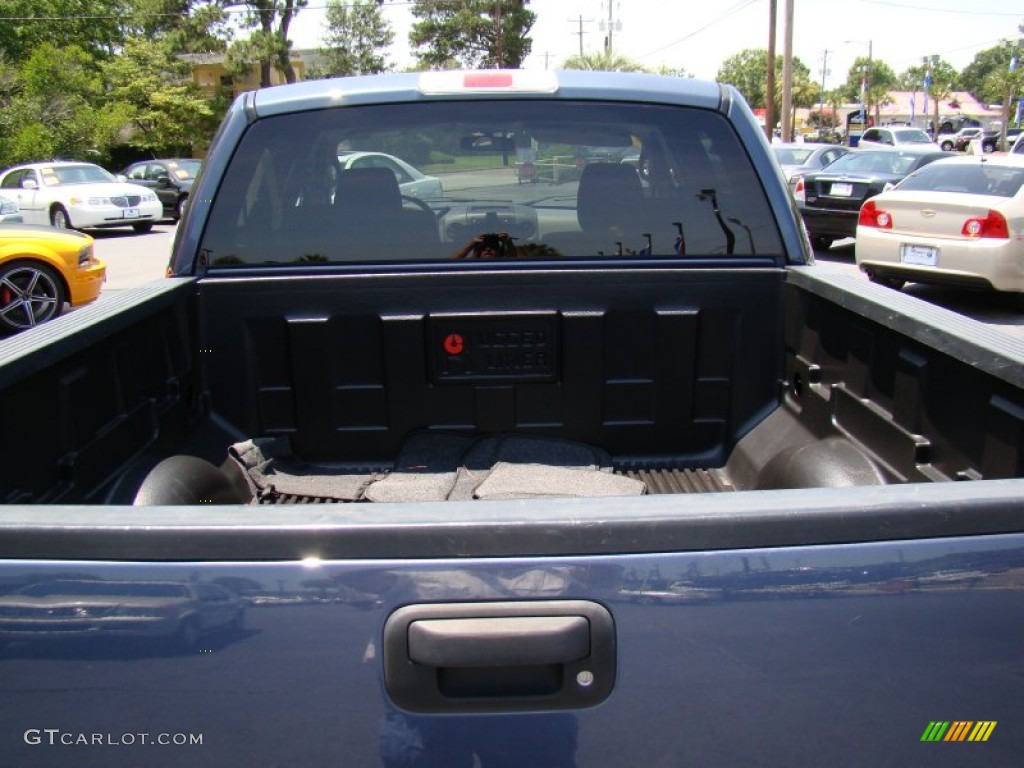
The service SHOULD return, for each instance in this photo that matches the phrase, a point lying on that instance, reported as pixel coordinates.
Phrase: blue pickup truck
(503, 419)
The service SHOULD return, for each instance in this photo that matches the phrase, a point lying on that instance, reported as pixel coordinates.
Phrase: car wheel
(143, 228)
(947, 146)
(179, 208)
(60, 219)
(30, 294)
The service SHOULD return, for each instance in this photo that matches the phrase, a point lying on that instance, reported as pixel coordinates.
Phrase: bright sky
(697, 35)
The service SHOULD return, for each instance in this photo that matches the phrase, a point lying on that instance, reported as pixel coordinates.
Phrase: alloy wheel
(29, 295)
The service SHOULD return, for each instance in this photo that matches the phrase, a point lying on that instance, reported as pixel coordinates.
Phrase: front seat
(374, 222)
(609, 210)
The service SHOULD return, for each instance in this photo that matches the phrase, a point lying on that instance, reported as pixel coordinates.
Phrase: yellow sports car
(41, 269)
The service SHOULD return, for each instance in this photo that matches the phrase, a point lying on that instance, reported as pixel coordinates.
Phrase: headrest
(368, 189)
(609, 194)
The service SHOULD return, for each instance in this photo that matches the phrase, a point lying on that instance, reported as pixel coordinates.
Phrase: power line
(729, 12)
(930, 9)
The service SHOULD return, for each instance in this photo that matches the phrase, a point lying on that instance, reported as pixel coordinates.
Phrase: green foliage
(268, 45)
(603, 62)
(466, 33)
(154, 90)
(57, 107)
(95, 26)
(748, 72)
(983, 77)
(354, 36)
(186, 26)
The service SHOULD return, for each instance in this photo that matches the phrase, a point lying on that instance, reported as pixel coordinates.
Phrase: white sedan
(71, 195)
(958, 221)
(411, 181)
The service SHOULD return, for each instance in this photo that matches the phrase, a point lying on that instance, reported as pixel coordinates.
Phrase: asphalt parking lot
(132, 258)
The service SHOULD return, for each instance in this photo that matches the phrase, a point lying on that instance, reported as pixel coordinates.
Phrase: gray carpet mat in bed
(439, 467)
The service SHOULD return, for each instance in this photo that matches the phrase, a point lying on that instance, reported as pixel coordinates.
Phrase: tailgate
(772, 628)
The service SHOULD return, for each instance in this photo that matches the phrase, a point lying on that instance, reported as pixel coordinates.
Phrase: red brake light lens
(873, 216)
(799, 191)
(992, 226)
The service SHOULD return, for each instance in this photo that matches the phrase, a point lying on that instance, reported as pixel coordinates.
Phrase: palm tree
(603, 62)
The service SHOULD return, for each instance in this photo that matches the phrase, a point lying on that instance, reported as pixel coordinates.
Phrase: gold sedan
(42, 269)
(958, 221)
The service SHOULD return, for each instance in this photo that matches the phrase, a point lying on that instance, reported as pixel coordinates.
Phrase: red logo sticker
(454, 344)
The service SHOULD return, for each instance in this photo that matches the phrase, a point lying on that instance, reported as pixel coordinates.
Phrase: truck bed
(688, 379)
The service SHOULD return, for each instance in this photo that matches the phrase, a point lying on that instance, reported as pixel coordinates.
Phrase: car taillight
(798, 190)
(993, 225)
(873, 216)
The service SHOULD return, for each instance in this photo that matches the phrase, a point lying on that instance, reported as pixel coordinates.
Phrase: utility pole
(787, 75)
(769, 90)
(580, 34)
(824, 73)
(612, 26)
(497, 21)
(821, 103)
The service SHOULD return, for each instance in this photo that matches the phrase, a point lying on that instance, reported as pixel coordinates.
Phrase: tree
(804, 93)
(1007, 81)
(268, 46)
(876, 77)
(664, 69)
(748, 72)
(936, 78)
(162, 106)
(471, 33)
(92, 26)
(186, 26)
(975, 77)
(354, 36)
(57, 108)
(603, 62)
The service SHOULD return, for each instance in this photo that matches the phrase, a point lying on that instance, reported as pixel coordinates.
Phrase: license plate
(841, 189)
(130, 213)
(921, 255)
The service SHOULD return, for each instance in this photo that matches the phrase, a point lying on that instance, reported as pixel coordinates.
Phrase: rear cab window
(538, 179)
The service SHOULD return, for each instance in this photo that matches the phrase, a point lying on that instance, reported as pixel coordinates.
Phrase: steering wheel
(423, 206)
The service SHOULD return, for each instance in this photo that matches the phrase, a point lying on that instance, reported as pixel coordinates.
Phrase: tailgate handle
(499, 656)
(499, 641)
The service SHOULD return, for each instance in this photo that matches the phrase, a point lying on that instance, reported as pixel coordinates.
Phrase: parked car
(990, 139)
(830, 200)
(962, 138)
(79, 608)
(170, 178)
(72, 195)
(41, 269)
(411, 181)
(797, 159)
(956, 222)
(9, 211)
(897, 136)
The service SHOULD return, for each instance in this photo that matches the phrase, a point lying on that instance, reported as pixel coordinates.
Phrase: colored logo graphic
(454, 344)
(958, 730)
